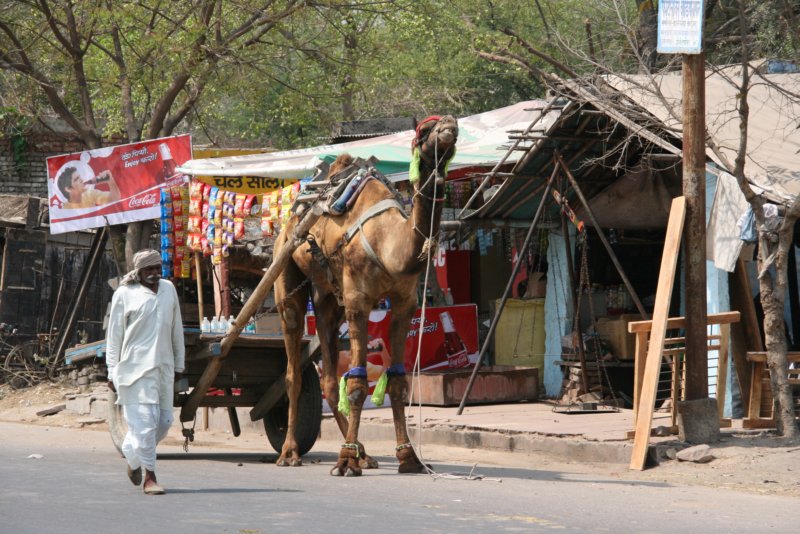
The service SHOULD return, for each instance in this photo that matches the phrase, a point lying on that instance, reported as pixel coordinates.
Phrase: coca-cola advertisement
(113, 185)
(449, 338)
(449, 341)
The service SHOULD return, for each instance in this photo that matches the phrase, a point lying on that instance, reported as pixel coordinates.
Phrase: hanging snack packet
(286, 203)
(250, 206)
(238, 205)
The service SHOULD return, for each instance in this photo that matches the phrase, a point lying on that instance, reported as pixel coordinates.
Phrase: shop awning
(482, 141)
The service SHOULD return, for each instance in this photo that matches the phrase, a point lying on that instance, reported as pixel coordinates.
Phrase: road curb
(559, 447)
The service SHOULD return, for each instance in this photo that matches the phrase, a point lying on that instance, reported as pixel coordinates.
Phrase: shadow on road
(172, 491)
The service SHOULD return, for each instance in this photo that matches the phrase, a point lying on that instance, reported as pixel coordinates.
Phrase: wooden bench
(760, 410)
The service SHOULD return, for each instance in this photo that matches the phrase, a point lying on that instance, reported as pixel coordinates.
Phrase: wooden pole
(575, 302)
(601, 235)
(507, 292)
(250, 308)
(694, 190)
(198, 271)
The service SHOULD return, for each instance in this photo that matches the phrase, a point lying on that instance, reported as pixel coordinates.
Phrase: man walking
(145, 356)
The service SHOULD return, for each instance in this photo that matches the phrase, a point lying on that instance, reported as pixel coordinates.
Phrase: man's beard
(152, 279)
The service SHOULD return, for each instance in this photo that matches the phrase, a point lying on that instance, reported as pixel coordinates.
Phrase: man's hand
(111, 386)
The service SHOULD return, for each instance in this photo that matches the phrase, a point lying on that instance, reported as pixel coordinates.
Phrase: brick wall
(28, 175)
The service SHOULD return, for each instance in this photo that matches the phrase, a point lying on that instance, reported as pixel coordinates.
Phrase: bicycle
(27, 360)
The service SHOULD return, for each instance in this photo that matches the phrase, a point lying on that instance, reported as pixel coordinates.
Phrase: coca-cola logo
(140, 202)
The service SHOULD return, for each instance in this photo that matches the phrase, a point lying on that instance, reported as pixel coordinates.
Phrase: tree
(138, 68)
(735, 32)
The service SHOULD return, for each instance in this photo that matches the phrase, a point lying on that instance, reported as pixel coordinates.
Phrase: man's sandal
(135, 475)
(153, 489)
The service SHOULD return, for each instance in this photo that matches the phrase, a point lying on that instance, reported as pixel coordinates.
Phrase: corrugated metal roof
(602, 136)
(773, 143)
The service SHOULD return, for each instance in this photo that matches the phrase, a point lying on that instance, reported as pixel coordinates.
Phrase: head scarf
(143, 258)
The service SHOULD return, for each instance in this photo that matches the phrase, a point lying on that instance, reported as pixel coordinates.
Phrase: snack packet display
(166, 234)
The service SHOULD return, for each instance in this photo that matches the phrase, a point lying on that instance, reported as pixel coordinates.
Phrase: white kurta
(144, 343)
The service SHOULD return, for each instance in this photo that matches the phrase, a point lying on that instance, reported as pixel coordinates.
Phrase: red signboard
(113, 185)
(449, 340)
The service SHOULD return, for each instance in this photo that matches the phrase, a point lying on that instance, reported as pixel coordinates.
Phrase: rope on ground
(416, 369)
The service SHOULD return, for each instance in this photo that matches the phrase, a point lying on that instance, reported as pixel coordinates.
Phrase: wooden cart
(252, 375)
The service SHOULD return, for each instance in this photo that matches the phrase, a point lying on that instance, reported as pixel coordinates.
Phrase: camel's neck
(424, 221)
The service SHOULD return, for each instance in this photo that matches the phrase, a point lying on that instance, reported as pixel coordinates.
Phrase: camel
(348, 283)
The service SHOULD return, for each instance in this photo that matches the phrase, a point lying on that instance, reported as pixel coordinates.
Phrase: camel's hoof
(367, 462)
(414, 468)
(346, 468)
(289, 462)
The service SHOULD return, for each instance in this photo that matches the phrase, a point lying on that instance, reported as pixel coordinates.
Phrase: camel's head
(433, 146)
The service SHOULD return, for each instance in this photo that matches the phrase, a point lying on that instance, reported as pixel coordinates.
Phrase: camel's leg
(292, 310)
(397, 387)
(356, 314)
(328, 315)
(329, 318)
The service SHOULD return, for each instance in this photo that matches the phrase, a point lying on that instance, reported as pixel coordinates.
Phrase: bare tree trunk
(647, 36)
(136, 239)
(772, 258)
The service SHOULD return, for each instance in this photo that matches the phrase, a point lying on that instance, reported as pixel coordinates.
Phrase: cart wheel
(309, 415)
(116, 421)
(23, 368)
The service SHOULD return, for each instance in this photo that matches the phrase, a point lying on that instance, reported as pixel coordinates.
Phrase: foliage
(12, 126)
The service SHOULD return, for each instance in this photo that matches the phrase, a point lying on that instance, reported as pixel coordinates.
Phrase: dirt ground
(754, 462)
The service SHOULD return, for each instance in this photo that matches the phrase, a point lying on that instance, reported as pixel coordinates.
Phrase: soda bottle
(103, 176)
(454, 347)
(168, 170)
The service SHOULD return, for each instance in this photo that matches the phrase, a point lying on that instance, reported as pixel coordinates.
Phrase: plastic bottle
(251, 326)
(214, 326)
(231, 322)
(205, 326)
(448, 296)
(223, 324)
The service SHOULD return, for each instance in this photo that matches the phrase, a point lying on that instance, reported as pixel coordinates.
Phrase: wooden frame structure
(760, 412)
(673, 347)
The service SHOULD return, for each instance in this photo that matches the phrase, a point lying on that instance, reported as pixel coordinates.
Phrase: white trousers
(147, 426)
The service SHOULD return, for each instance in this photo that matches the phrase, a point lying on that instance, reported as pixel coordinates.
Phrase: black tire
(23, 367)
(117, 426)
(309, 415)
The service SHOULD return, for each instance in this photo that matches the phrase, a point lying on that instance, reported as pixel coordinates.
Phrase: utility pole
(694, 189)
(680, 31)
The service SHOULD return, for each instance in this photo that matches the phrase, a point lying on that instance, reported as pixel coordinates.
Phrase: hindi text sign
(680, 26)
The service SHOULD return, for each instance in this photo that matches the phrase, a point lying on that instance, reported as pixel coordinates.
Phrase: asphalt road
(79, 486)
